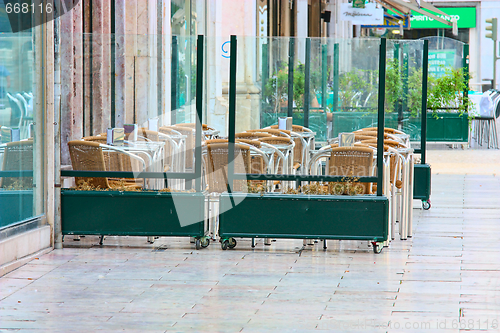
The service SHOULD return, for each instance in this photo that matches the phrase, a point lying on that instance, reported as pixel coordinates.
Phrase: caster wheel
(205, 242)
(232, 243)
(197, 244)
(225, 244)
(377, 248)
(426, 205)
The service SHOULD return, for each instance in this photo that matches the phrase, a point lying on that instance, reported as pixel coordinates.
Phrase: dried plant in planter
(336, 188)
(290, 190)
(314, 189)
(169, 190)
(16, 186)
(252, 187)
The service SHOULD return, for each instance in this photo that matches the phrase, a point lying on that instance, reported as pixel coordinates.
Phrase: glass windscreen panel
(403, 91)
(21, 138)
(293, 82)
(137, 113)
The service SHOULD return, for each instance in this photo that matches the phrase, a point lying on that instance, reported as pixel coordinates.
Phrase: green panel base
(15, 206)
(132, 213)
(422, 182)
(447, 127)
(304, 216)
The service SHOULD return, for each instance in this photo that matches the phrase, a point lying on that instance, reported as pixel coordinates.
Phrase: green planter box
(317, 122)
(447, 127)
(15, 206)
(304, 216)
(132, 213)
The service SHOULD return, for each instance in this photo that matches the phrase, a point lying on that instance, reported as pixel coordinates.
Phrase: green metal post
(335, 77)
(324, 70)
(174, 81)
(405, 71)
(265, 77)
(232, 111)
(381, 114)
(396, 51)
(465, 65)
(199, 110)
(425, 74)
(291, 61)
(113, 69)
(307, 82)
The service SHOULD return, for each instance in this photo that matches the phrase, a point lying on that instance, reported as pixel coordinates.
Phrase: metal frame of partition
(123, 213)
(289, 216)
(422, 171)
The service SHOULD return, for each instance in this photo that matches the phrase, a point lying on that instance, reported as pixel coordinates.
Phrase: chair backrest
(18, 156)
(216, 172)
(88, 156)
(275, 140)
(168, 130)
(374, 134)
(252, 135)
(386, 130)
(351, 162)
(148, 134)
(295, 128)
(100, 139)
(272, 131)
(190, 143)
(204, 127)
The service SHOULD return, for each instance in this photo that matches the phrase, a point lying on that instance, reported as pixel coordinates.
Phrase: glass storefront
(21, 134)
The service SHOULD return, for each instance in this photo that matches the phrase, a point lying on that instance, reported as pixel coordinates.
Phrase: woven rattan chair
(188, 149)
(114, 160)
(281, 163)
(18, 156)
(89, 156)
(351, 162)
(300, 153)
(174, 148)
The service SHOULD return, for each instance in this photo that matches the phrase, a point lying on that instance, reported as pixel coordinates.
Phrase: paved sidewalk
(445, 278)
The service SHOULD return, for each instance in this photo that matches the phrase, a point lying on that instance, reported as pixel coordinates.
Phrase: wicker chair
(188, 149)
(300, 153)
(281, 162)
(89, 156)
(18, 156)
(352, 162)
(174, 146)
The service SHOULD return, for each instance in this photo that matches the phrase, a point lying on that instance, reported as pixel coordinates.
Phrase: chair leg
(101, 239)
